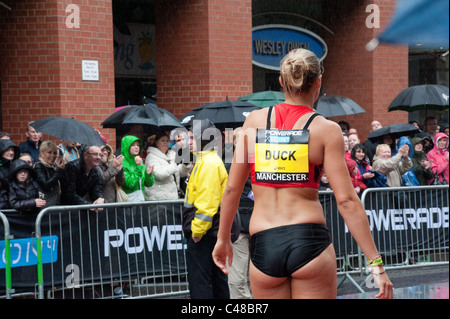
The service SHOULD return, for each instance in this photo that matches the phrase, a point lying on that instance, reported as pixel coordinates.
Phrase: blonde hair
(299, 69)
(381, 146)
(46, 145)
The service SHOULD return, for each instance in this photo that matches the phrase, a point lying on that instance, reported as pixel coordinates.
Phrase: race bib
(281, 156)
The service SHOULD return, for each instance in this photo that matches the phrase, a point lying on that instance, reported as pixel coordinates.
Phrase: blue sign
(24, 253)
(272, 42)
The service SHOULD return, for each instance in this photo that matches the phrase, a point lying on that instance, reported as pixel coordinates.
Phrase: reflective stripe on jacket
(204, 190)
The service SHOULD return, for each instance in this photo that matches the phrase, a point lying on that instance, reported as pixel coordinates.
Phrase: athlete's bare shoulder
(257, 118)
(324, 125)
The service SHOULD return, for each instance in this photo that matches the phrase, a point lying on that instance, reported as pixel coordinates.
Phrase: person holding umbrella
(292, 255)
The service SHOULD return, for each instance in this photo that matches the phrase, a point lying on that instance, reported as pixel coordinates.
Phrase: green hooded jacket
(133, 173)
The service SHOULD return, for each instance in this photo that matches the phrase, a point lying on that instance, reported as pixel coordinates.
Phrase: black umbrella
(330, 105)
(68, 129)
(147, 114)
(421, 97)
(394, 130)
(224, 114)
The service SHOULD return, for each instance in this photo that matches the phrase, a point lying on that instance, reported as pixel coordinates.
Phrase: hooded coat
(439, 163)
(135, 175)
(4, 163)
(423, 175)
(22, 196)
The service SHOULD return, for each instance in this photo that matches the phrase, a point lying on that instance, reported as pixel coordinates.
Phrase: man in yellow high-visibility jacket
(201, 213)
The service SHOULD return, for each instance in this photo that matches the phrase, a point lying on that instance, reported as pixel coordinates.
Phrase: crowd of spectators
(72, 174)
(392, 161)
(36, 174)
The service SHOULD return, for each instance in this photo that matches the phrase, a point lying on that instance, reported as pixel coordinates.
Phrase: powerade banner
(399, 221)
(122, 242)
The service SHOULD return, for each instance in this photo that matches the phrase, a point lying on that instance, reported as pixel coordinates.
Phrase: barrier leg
(9, 289)
(8, 238)
(39, 268)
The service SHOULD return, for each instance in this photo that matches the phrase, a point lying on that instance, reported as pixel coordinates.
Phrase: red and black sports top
(281, 154)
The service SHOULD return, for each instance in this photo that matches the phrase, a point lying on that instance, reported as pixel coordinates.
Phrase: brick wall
(371, 79)
(41, 63)
(203, 52)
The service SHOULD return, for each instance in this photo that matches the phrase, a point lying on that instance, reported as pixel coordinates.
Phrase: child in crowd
(24, 192)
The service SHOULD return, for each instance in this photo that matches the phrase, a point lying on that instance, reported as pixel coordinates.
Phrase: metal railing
(6, 257)
(128, 250)
(137, 250)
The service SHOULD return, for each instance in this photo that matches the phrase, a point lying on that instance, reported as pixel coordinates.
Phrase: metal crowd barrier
(128, 250)
(410, 225)
(7, 256)
(137, 250)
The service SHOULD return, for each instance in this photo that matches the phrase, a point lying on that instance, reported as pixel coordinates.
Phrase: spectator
(345, 126)
(408, 178)
(369, 145)
(68, 151)
(8, 153)
(5, 136)
(166, 171)
(345, 144)
(421, 165)
(83, 181)
(388, 140)
(392, 167)
(438, 157)
(183, 154)
(26, 158)
(364, 170)
(201, 219)
(24, 191)
(137, 175)
(445, 129)
(32, 144)
(430, 126)
(49, 172)
(4, 187)
(353, 139)
(358, 185)
(415, 123)
(239, 277)
(112, 173)
(324, 184)
(180, 141)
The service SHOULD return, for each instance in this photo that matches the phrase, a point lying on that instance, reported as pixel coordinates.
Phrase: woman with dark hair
(166, 171)
(359, 155)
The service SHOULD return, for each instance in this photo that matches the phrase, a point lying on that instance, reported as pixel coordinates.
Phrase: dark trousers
(206, 280)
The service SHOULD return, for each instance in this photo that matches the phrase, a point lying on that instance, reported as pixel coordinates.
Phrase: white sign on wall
(90, 70)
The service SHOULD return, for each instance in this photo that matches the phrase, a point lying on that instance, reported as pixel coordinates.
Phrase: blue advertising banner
(24, 252)
(272, 42)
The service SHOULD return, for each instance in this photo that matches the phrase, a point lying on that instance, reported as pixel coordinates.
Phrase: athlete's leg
(317, 279)
(268, 287)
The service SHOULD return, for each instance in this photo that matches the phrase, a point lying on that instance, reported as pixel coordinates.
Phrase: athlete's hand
(385, 285)
(221, 252)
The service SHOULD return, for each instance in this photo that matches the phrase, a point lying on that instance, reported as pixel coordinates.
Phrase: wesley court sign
(272, 42)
